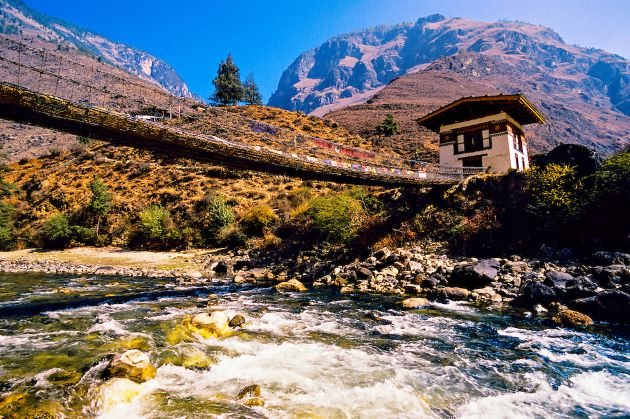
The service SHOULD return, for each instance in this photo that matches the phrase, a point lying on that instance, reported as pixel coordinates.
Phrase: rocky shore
(571, 292)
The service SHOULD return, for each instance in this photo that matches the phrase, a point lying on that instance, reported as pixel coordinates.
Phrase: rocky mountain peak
(349, 67)
(18, 18)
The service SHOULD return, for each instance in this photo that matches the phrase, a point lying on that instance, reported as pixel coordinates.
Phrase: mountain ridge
(581, 87)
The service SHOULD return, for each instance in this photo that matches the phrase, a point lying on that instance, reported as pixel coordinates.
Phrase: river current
(316, 354)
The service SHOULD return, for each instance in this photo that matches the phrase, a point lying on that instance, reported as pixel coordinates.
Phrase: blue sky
(265, 36)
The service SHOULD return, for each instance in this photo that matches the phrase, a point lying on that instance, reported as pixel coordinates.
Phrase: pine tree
(389, 127)
(101, 202)
(227, 84)
(251, 93)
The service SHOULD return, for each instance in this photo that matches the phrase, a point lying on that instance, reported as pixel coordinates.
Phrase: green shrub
(155, 222)
(156, 228)
(337, 218)
(57, 232)
(100, 203)
(388, 127)
(7, 233)
(84, 235)
(371, 204)
(257, 219)
(553, 193)
(607, 194)
(214, 214)
(439, 224)
(231, 236)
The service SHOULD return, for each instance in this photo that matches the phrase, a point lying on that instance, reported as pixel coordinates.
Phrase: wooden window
(486, 138)
(474, 161)
(460, 143)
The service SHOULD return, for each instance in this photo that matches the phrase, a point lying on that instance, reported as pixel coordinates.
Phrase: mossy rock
(132, 364)
(572, 318)
(255, 402)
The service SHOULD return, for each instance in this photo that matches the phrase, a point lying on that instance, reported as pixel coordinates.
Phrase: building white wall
(500, 158)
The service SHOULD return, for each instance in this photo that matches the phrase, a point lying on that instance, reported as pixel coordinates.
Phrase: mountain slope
(581, 115)
(17, 18)
(354, 63)
(585, 92)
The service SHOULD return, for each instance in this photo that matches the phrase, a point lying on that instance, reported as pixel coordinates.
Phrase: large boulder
(556, 279)
(608, 305)
(534, 293)
(216, 323)
(477, 275)
(580, 287)
(583, 159)
(292, 285)
(132, 364)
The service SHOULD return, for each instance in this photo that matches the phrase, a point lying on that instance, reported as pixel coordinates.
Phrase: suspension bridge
(44, 88)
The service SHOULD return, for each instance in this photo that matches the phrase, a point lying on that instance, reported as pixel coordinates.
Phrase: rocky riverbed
(571, 292)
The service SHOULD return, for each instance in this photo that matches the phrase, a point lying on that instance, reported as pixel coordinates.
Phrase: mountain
(411, 69)
(17, 18)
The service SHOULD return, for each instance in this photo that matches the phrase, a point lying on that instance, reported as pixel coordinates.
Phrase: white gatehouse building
(484, 131)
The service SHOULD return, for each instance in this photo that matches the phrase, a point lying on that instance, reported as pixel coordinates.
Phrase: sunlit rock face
(18, 19)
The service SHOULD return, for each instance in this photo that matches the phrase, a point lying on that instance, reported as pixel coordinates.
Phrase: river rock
(535, 293)
(610, 276)
(416, 266)
(217, 322)
(477, 275)
(572, 318)
(455, 293)
(364, 273)
(292, 285)
(430, 282)
(556, 279)
(610, 258)
(608, 305)
(580, 287)
(237, 321)
(411, 303)
(252, 276)
(132, 364)
(255, 402)
(382, 254)
(252, 390)
(390, 271)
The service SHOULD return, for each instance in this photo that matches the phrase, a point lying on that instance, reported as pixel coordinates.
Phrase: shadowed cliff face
(16, 18)
(584, 92)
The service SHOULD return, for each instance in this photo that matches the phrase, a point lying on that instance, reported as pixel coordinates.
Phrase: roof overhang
(474, 107)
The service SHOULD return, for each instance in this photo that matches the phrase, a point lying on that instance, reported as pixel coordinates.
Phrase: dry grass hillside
(58, 182)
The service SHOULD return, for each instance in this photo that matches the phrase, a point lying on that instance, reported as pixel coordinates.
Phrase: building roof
(473, 107)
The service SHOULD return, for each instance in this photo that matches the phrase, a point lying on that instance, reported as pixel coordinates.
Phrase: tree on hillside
(228, 88)
(101, 202)
(251, 94)
(389, 127)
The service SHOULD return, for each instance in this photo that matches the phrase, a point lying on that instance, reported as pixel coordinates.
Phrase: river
(316, 354)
